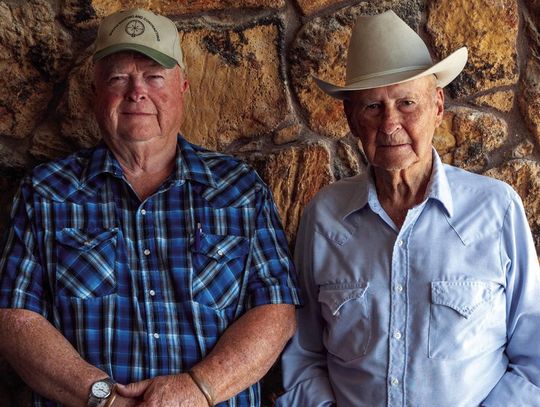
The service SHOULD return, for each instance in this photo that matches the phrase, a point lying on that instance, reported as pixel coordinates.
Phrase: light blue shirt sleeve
(305, 374)
(520, 385)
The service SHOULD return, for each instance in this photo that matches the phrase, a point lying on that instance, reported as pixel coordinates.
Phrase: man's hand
(120, 401)
(165, 391)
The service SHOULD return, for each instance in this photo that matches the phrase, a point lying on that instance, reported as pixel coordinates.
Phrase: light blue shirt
(444, 312)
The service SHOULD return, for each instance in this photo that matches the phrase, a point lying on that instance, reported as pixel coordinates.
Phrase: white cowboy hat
(384, 50)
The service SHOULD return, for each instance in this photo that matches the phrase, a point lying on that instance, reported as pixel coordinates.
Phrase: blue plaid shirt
(143, 289)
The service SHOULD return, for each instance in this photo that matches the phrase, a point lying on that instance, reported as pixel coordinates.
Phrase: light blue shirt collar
(366, 194)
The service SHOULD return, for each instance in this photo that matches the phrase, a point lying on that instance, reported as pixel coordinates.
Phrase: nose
(390, 122)
(136, 91)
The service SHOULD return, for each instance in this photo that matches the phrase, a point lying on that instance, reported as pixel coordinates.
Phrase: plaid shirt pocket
(219, 263)
(85, 265)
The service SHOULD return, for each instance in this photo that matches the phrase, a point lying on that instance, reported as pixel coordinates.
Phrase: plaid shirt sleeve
(21, 276)
(272, 278)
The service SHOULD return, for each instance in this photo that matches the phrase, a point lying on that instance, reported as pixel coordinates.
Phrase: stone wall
(250, 66)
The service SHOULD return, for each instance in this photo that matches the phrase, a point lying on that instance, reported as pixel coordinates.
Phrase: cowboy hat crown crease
(374, 40)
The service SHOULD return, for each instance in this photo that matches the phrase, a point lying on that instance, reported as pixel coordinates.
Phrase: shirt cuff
(18, 299)
(275, 295)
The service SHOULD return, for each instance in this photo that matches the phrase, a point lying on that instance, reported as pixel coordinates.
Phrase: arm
(305, 372)
(44, 359)
(36, 350)
(244, 353)
(520, 385)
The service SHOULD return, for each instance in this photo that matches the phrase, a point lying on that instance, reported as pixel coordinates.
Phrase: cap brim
(445, 71)
(162, 59)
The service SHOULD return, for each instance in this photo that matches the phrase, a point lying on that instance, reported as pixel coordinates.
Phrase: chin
(395, 163)
(138, 134)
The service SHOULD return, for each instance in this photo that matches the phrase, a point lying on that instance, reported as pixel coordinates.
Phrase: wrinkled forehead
(413, 88)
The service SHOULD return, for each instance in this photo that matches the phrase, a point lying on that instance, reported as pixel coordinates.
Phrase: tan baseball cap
(141, 31)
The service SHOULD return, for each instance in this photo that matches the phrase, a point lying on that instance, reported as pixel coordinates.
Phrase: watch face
(101, 389)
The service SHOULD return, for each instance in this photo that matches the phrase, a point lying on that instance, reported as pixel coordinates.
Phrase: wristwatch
(100, 391)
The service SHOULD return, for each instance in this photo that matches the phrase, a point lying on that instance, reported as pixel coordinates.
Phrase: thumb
(133, 389)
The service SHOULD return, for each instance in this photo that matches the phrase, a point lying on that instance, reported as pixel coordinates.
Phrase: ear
(184, 85)
(439, 102)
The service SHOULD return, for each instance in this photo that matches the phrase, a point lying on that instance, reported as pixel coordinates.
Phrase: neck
(146, 165)
(400, 190)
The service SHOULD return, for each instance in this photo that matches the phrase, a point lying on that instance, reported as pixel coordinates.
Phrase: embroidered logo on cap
(134, 28)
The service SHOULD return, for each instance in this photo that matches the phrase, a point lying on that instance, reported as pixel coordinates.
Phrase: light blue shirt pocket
(344, 307)
(465, 318)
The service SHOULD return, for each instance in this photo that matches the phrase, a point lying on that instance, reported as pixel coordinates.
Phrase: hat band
(384, 73)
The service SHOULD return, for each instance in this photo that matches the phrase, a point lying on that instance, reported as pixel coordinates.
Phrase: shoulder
(480, 204)
(466, 185)
(337, 199)
(59, 178)
(223, 166)
(235, 181)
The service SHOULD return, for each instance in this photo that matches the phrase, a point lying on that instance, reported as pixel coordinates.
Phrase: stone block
(236, 88)
(287, 134)
(312, 6)
(79, 15)
(529, 97)
(444, 139)
(11, 160)
(523, 150)
(502, 101)
(294, 175)
(48, 143)
(76, 112)
(349, 160)
(492, 47)
(477, 135)
(532, 24)
(105, 7)
(36, 51)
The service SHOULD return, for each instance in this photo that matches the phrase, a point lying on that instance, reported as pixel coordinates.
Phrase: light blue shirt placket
(397, 334)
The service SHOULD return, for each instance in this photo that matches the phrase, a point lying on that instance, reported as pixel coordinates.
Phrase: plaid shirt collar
(189, 166)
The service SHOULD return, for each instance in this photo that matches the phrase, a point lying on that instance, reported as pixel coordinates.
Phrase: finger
(133, 389)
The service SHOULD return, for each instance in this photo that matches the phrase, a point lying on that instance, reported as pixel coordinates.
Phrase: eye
(114, 79)
(372, 109)
(372, 106)
(407, 104)
(155, 79)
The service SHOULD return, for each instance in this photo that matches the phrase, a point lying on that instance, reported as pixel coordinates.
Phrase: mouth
(393, 145)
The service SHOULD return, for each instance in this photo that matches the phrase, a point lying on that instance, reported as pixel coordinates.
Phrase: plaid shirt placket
(124, 344)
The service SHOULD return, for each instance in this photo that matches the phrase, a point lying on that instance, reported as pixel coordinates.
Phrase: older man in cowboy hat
(146, 260)
(421, 280)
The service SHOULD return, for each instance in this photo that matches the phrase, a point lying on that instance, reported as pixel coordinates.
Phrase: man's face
(137, 100)
(396, 123)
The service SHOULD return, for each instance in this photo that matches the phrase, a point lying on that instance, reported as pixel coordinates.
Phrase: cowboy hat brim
(445, 71)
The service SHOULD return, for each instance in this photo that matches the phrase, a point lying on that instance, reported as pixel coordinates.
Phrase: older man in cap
(145, 260)
(421, 280)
